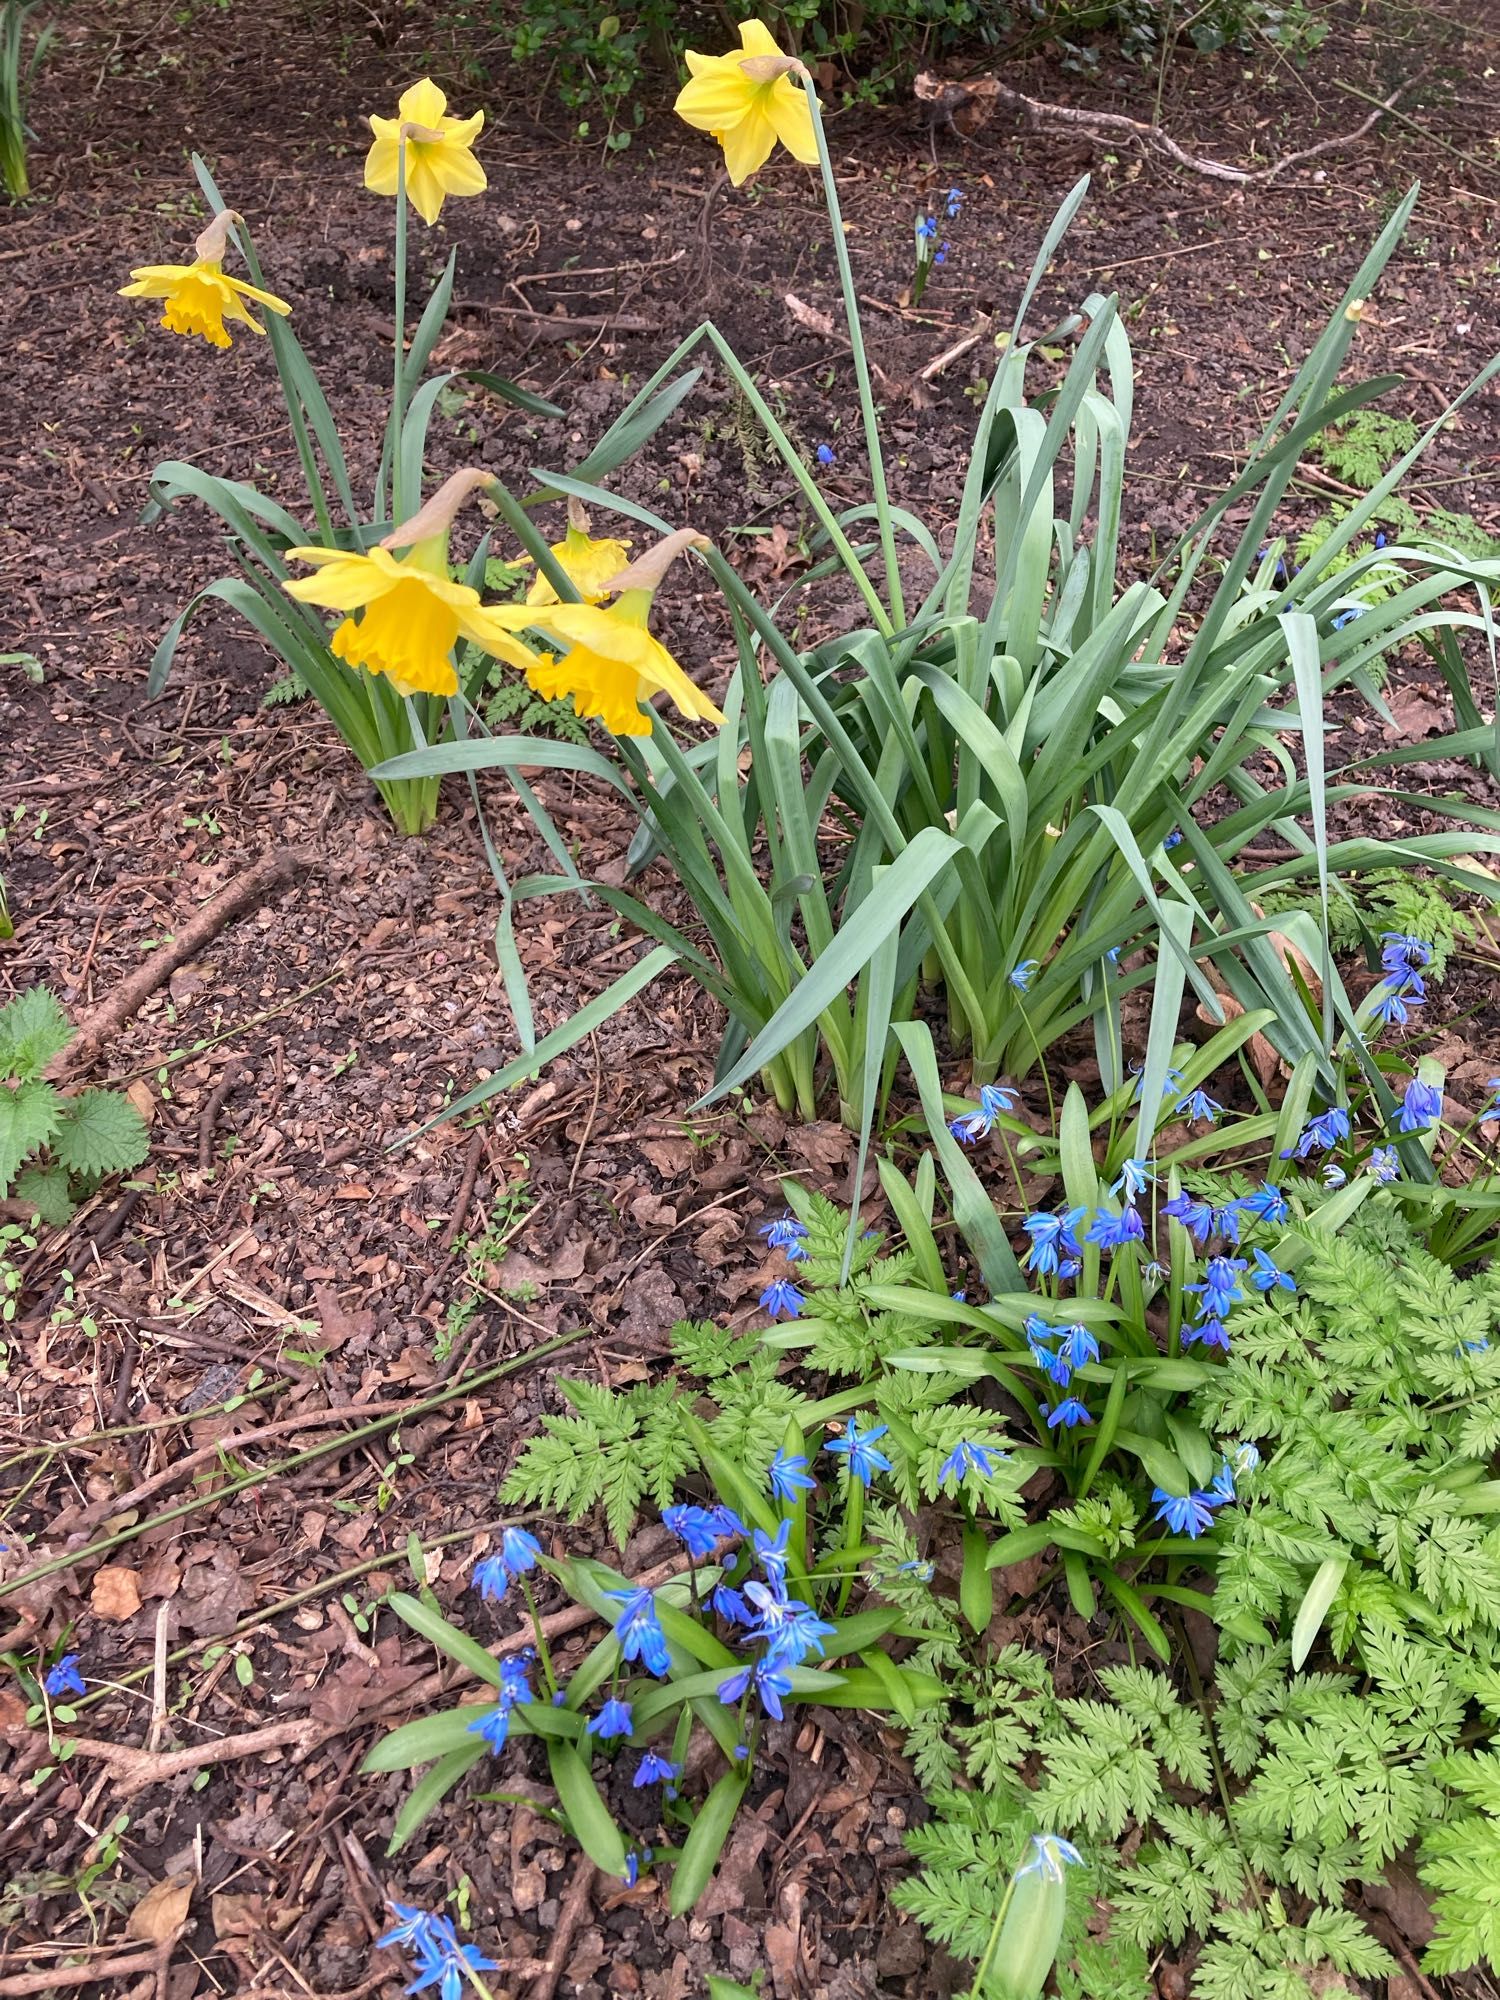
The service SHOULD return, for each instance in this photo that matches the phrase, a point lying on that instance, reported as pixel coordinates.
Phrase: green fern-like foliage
(55, 1147)
(1362, 449)
(620, 1449)
(512, 708)
(1416, 905)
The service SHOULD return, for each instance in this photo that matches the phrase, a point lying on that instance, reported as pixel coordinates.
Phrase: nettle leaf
(33, 1029)
(44, 1190)
(29, 1116)
(100, 1132)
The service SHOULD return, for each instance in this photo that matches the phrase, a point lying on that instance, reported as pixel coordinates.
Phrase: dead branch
(574, 1903)
(944, 99)
(232, 901)
(84, 1975)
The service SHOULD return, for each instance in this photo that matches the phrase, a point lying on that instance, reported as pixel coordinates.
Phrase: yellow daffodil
(587, 564)
(412, 613)
(749, 101)
(609, 662)
(439, 151)
(199, 297)
(612, 665)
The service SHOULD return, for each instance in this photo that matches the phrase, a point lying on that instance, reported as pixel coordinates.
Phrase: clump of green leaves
(1362, 449)
(511, 707)
(55, 1147)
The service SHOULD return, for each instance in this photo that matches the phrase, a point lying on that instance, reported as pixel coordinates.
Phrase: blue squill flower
(730, 1606)
(793, 1628)
(1347, 617)
(416, 1928)
(1199, 1108)
(1023, 974)
(771, 1681)
(964, 1459)
(1334, 1174)
(616, 1718)
(1078, 1346)
(826, 455)
(493, 1724)
(857, 1447)
(1391, 1011)
(492, 1577)
(1171, 1082)
(1052, 1239)
(942, 255)
(927, 227)
(695, 1527)
(1269, 1277)
(1190, 1515)
(1422, 1104)
(519, 1551)
(1210, 1329)
(971, 1126)
(1173, 839)
(1134, 1177)
(1068, 1412)
(784, 1232)
(1049, 1855)
(63, 1678)
(1267, 1204)
(780, 1297)
(1113, 1232)
(1385, 1164)
(773, 1552)
(1401, 954)
(1320, 1134)
(788, 1477)
(955, 201)
(654, 1770)
(639, 1632)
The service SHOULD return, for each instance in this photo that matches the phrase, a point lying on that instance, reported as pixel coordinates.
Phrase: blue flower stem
(854, 1528)
(542, 1652)
(475, 1981)
(861, 365)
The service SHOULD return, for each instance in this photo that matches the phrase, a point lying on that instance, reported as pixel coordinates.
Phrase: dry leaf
(141, 1097)
(116, 1593)
(237, 1916)
(162, 1911)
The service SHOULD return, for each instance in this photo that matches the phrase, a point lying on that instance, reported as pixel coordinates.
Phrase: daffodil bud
(766, 69)
(213, 241)
(434, 521)
(647, 571)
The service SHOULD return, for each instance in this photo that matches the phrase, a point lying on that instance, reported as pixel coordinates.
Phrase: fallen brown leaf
(162, 1911)
(116, 1593)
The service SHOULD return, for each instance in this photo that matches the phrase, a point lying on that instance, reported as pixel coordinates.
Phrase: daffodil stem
(861, 368)
(398, 393)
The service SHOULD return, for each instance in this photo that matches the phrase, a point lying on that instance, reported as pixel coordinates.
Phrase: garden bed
(279, 1249)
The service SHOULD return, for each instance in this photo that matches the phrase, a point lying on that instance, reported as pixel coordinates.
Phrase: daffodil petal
(756, 38)
(747, 145)
(422, 104)
(715, 101)
(789, 115)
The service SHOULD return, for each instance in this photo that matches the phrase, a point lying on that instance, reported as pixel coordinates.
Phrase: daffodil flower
(412, 613)
(610, 663)
(588, 565)
(439, 151)
(199, 297)
(749, 100)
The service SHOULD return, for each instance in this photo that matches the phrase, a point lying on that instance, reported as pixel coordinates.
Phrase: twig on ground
(574, 1903)
(234, 1073)
(944, 99)
(150, 1962)
(232, 901)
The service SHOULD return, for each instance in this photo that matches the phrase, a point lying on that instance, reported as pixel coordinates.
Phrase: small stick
(234, 1072)
(232, 901)
(84, 1975)
(575, 1902)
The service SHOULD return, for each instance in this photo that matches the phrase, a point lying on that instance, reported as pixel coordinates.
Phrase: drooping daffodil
(749, 100)
(608, 660)
(589, 565)
(411, 612)
(439, 151)
(198, 296)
